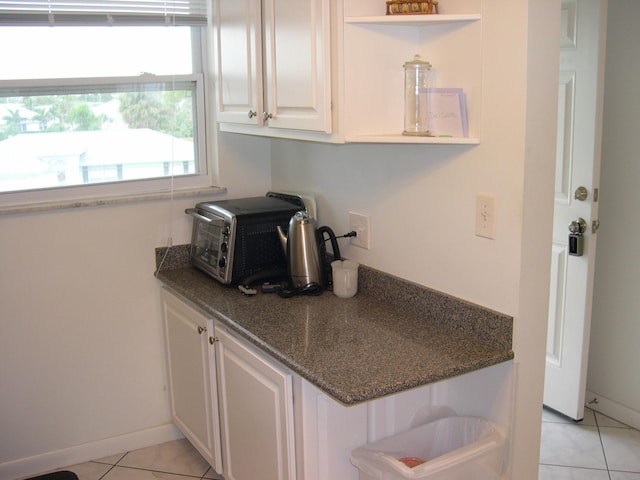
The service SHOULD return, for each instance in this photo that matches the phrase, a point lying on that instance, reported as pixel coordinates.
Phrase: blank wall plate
(361, 224)
(486, 215)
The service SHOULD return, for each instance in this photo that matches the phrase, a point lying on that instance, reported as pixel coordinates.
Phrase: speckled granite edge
(170, 258)
(494, 328)
(474, 320)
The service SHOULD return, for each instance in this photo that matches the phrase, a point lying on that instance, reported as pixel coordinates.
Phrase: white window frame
(130, 190)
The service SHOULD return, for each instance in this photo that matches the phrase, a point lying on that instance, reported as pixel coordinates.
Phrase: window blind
(103, 12)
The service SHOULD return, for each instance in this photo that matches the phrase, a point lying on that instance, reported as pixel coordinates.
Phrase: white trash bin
(453, 448)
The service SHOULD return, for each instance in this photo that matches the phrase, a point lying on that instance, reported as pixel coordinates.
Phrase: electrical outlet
(361, 224)
(486, 215)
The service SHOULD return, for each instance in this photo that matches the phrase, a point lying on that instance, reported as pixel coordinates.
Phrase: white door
(577, 165)
(297, 64)
(256, 413)
(194, 404)
(238, 46)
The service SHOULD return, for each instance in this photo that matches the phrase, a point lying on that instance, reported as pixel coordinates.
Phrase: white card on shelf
(447, 112)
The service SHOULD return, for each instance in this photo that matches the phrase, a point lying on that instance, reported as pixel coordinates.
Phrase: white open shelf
(380, 44)
(399, 138)
(414, 20)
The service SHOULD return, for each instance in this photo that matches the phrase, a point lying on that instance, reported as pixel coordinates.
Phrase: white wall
(81, 344)
(615, 330)
(422, 200)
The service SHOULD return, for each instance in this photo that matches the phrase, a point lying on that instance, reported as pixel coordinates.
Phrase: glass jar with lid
(416, 97)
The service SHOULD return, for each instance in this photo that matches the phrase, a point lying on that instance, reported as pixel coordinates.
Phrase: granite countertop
(392, 336)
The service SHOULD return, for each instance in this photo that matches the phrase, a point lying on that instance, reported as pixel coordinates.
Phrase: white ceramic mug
(345, 278)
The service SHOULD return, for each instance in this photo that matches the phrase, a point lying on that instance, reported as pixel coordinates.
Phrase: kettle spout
(283, 238)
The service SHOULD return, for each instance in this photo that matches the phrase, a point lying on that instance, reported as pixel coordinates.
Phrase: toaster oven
(234, 240)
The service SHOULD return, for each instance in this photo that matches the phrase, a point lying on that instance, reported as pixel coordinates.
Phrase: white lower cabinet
(192, 381)
(256, 412)
(234, 404)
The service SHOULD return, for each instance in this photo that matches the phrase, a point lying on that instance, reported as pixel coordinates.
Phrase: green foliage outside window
(169, 112)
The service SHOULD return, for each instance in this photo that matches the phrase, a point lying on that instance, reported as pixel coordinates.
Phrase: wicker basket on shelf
(408, 7)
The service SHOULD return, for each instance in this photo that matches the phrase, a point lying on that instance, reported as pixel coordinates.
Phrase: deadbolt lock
(576, 239)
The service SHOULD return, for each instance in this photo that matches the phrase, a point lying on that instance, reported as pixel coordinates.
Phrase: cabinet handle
(201, 329)
(266, 116)
(252, 114)
(213, 340)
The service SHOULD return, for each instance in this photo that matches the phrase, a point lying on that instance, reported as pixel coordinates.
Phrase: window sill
(109, 200)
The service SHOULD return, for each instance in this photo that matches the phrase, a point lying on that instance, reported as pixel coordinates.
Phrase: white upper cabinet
(273, 65)
(332, 70)
(239, 61)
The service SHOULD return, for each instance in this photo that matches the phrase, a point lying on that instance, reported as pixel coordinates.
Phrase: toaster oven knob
(222, 262)
(224, 247)
(226, 231)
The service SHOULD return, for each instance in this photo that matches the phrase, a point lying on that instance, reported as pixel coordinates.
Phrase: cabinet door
(256, 412)
(297, 63)
(238, 45)
(194, 405)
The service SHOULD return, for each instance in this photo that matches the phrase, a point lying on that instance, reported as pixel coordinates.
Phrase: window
(89, 110)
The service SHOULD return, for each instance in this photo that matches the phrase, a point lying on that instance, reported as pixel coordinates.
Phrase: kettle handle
(334, 242)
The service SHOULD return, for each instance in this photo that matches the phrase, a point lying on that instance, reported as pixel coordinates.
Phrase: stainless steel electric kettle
(304, 249)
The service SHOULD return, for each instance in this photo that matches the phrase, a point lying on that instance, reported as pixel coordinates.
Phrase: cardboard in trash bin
(454, 448)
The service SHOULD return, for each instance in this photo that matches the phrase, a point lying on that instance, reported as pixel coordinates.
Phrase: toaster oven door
(209, 245)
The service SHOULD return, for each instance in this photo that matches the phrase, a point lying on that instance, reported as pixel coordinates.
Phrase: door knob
(581, 194)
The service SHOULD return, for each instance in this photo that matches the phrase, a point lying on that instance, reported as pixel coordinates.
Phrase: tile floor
(176, 460)
(596, 448)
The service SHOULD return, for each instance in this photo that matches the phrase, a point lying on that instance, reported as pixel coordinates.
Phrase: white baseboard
(65, 457)
(608, 407)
